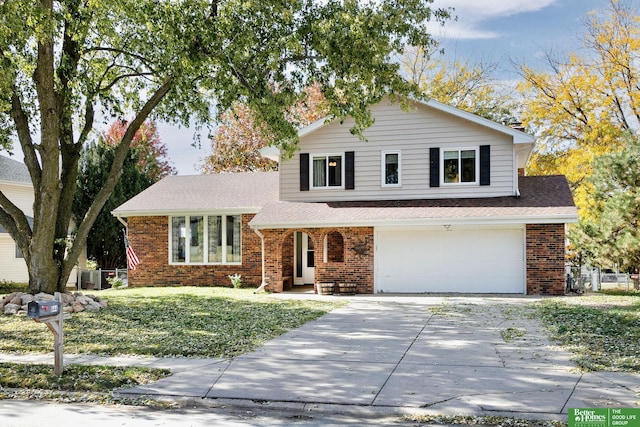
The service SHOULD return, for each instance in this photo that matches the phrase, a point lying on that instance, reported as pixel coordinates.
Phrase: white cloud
(472, 13)
(483, 9)
(461, 31)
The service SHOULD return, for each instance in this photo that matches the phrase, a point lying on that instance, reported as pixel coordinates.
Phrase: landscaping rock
(68, 299)
(16, 303)
(92, 307)
(11, 308)
(43, 297)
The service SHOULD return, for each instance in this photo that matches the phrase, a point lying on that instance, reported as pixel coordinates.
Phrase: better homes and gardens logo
(604, 417)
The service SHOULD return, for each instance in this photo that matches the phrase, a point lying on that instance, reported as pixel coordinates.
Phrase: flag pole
(126, 245)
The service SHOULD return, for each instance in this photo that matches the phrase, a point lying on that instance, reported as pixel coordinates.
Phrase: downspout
(122, 221)
(264, 282)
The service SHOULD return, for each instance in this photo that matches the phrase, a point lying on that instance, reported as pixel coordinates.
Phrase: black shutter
(349, 171)
(485, 165)
(434, 167)
(304, 171)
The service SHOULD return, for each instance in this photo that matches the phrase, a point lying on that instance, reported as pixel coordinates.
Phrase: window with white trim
(391, 168)
(459, 166)
(205, 239)
(326, 171)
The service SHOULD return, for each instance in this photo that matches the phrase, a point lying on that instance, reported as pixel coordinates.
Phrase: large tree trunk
(43, 273)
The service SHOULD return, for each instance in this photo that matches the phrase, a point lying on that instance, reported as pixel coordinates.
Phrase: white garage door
(458, 260)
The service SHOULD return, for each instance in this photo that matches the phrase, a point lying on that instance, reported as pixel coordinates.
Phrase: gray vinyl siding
(413, 133)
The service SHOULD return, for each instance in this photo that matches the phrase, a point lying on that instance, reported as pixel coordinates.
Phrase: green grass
(76, 378)
(177, 321)
(602, 331)
(620, 292)
(512, 334)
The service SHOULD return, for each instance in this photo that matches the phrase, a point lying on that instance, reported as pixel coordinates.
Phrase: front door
(303, 259)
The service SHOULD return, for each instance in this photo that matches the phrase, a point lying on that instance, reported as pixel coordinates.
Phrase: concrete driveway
(440, 355)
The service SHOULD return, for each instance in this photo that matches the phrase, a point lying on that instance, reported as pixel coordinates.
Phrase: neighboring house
(15, 184)
(433, 201)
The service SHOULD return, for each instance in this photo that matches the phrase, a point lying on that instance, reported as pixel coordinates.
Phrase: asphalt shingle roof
(545, 198)
(204, 193)
(13, 171)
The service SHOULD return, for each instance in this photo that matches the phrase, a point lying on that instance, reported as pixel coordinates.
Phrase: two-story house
(433, 201)
(15, 184)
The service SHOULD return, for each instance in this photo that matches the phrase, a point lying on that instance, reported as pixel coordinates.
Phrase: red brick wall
(335, 247)
(357, 266)
(545, 259)
(149, 236)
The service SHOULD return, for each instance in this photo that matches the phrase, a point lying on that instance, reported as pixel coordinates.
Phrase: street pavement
(375, 359)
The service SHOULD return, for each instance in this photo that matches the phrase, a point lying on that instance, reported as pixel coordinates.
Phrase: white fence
(97, 279)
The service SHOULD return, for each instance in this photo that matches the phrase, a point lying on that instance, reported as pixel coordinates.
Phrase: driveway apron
(455, 355)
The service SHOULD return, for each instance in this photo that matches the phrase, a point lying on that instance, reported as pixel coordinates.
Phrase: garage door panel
(479, 261)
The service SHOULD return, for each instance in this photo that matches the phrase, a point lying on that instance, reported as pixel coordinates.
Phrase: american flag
(132, 258)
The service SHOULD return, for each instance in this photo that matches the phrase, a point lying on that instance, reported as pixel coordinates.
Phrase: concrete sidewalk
(396, 355)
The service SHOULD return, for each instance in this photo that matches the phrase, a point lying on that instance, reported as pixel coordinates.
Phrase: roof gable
(518, 137)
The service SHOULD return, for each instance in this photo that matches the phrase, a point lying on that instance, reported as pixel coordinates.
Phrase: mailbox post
(51, 314)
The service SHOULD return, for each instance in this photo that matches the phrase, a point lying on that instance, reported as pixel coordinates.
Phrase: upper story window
(460, 166)
(391, 168)
(326, 171)
(205, 239)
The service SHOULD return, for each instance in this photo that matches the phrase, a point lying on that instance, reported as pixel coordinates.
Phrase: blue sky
(520, 30)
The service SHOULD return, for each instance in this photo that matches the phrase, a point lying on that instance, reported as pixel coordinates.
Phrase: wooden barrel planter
(325, 288)
(348, 288)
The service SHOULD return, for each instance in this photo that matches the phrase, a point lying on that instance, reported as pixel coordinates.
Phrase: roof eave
(183, 212)
(27, 184)
(413, 222)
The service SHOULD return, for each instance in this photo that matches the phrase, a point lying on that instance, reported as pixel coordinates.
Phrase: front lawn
(76, 378)
(602, 331)
(176, 321)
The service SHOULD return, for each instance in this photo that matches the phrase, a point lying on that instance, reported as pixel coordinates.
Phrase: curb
(333, 408)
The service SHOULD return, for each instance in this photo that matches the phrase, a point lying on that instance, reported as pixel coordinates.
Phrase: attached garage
(450, 259)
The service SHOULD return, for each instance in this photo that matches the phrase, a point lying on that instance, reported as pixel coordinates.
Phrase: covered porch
(299, 259)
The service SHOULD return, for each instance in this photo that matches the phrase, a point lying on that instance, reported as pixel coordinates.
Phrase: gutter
(413, 222)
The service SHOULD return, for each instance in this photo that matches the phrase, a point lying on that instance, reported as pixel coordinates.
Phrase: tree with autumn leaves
(236, 143)
(585, 111)
(469, 86)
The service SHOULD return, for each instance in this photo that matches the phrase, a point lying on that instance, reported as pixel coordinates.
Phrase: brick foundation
(149, 236)
(545, 259)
